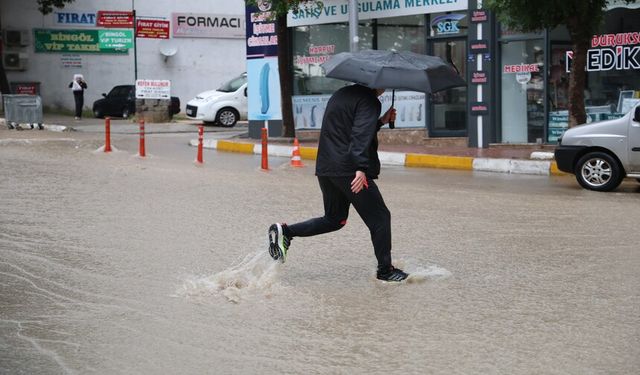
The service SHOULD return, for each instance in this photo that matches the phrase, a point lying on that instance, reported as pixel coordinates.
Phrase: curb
(514, 166)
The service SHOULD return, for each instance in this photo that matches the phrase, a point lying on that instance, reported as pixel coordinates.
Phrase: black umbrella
(393, 70)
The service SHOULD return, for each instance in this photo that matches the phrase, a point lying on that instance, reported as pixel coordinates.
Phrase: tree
(582, 18)
(280, 8)
(45, 7)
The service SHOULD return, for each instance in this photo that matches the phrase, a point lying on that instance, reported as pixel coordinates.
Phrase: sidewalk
(519, 159)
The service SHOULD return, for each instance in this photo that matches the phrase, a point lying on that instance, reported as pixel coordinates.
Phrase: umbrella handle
(392, 124)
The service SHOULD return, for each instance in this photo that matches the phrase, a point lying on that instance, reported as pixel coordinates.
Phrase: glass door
(448, 109)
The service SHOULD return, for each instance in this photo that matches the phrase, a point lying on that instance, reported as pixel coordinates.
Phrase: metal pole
(353, 25)
(135, 49)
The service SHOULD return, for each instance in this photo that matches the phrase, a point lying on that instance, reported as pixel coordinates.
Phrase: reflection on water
(112, 264)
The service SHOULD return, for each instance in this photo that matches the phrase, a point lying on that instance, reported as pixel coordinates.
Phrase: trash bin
(23, 110)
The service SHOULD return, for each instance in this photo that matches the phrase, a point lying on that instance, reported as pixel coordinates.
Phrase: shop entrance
(448, 109)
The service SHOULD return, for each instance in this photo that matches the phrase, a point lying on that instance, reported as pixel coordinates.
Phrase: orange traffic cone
(296, 161)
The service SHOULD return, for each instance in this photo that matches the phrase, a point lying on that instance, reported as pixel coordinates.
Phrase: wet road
(111, 264)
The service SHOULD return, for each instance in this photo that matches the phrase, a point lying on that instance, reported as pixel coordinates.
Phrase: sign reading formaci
(201, 25)
(333, 11)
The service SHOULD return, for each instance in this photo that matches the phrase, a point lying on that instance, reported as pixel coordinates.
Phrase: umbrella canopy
(393, 70)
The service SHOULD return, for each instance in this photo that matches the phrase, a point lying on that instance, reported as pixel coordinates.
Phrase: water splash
(257, 273)
(419, 274)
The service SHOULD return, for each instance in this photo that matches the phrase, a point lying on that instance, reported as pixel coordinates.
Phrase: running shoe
(278, 243)
(392, 274)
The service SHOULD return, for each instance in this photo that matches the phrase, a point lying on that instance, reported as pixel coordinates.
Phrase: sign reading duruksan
(199, 25)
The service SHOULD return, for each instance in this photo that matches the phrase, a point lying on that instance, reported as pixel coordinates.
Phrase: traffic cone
(296, 161)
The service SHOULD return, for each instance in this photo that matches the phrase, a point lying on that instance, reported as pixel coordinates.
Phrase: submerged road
(114, 264)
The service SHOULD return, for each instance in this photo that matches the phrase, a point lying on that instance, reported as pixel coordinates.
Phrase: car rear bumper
(566, 157)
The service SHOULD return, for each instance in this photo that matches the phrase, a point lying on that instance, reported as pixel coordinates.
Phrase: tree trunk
(285, 78)
(580, 44)
(4, 82)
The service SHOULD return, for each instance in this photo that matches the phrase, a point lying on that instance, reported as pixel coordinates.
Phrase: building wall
(200, 63)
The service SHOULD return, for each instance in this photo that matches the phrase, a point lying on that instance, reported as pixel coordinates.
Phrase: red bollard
(142, 153)
(265, 151)
(200, 140)
(107, 134)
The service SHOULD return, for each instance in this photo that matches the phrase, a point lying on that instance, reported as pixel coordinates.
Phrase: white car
(224, 106)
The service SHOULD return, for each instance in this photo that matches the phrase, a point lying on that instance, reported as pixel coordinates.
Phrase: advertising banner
(82, 41)
(201, 25)
(154, 29)
(116, 19)
(334, 11)
(153, 89)
(263, 101)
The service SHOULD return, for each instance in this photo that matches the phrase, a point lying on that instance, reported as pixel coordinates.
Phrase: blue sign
(447, 23)
(75, 18)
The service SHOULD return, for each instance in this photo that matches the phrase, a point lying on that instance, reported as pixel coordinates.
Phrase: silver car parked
(601, 154)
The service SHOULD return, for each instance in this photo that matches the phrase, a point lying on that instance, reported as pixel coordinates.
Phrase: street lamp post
(353, 25)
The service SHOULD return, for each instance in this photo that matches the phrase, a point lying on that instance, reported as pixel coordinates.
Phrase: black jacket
(348, 139)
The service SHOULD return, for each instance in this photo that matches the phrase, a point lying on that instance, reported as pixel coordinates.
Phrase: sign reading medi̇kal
(332, 11)
(199, 25)
(83, 41)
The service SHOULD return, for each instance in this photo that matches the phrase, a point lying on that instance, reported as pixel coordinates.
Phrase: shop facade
(517, 89)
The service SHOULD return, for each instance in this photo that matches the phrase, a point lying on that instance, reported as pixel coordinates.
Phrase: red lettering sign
(108, 18)
(155, 29)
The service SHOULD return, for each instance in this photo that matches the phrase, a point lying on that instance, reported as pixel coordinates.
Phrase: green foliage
(46, 6)
(525, 16)
(282, 7)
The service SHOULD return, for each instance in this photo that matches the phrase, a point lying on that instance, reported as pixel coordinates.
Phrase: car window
(114, 92)
(234, 84)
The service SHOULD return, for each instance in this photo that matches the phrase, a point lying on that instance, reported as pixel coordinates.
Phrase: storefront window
(448, 107)
(401, 33)
(522, 70)
(315, 44)
(613, 71)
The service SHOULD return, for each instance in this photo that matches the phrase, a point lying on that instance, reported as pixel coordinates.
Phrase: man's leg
(375, 214)
(336, 211)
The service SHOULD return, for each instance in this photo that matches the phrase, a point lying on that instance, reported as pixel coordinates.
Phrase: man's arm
(362, 132)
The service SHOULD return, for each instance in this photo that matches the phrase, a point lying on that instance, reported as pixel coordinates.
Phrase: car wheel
(125, 113)
(227, 117)
(598, 171)
(97, 113)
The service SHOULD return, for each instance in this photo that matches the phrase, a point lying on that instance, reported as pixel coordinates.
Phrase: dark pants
(78, 96)
(337, 197)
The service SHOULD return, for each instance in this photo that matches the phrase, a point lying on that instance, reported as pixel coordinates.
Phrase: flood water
(112, 264)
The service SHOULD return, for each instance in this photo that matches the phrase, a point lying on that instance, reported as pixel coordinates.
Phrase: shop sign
(478, 16)
(520, 68)
(71, 61)
(611, 52)
(75, 18)
(317, 54)
(153, 89)
(479, 78)
(523, 77)
(116, 19)
(80, 41)
(154, 29)
(335, 11)
(447, 24)
(261, 31)
(204, 25)
(479, 109)
(479, 46)
(116, 39)
(25, 88)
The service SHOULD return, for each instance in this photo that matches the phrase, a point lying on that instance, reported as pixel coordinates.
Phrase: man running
(346, 167)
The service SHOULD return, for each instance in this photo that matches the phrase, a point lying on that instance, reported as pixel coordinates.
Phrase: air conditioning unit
(16, 38)
(15, 60)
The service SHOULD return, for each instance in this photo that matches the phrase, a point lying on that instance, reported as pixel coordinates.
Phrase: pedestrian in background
(346, 167)
(78, 85)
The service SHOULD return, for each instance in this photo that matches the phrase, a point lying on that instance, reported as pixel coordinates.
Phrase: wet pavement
(110, 263)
